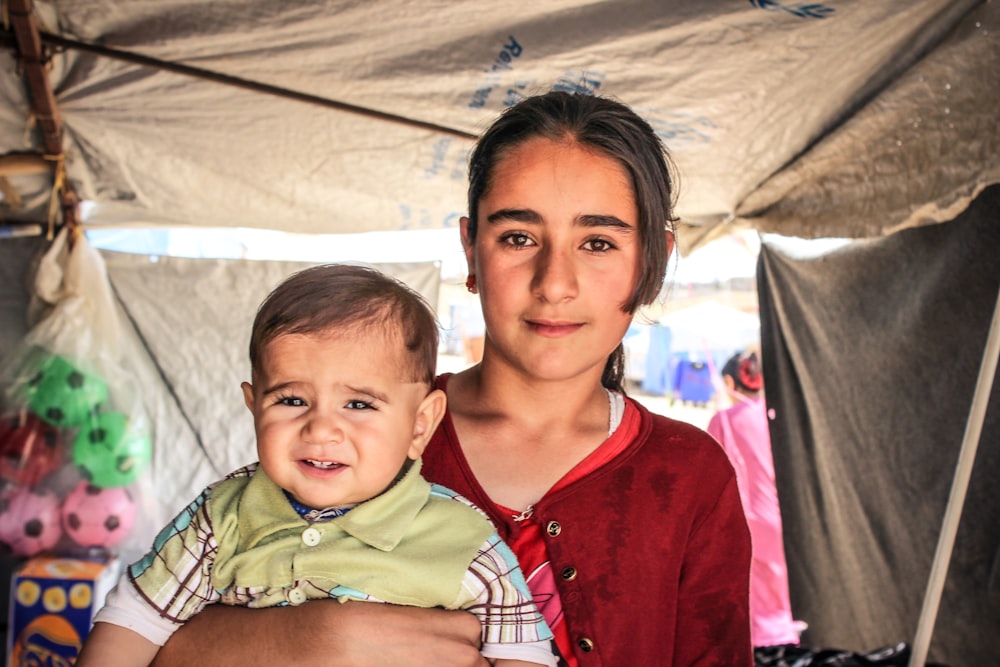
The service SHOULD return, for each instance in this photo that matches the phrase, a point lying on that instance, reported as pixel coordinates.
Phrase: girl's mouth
(554, 329)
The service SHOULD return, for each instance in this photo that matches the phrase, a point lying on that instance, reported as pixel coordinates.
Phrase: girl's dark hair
(335, 296)
(616, 131)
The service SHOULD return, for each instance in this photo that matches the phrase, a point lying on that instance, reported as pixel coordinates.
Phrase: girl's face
(556, 256)
(335, 417)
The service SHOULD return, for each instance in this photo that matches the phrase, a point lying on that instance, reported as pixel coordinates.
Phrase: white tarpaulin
(835, 118)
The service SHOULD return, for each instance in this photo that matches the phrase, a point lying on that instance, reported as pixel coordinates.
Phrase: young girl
(627, 524)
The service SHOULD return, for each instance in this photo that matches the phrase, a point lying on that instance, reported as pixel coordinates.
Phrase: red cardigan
(656, 539)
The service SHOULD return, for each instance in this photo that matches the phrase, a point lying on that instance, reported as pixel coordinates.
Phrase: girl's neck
(520, 436)
(489, 390)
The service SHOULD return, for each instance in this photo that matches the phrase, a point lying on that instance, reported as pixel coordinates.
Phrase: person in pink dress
(742, 430)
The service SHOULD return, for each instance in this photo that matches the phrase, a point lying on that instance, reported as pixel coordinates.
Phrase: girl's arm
(327, 633)
(110, 645)
(713, 626)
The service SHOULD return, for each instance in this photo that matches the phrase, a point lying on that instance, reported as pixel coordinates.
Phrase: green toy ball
(109, 452)
(63, 395)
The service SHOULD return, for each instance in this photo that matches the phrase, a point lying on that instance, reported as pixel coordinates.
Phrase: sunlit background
(707, 311)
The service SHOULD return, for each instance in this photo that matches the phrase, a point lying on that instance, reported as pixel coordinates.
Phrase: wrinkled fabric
(872, 352)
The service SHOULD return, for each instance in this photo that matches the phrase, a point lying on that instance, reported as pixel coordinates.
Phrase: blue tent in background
(687, 347)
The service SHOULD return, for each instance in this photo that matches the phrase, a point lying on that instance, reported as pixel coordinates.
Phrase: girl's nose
(555, 276)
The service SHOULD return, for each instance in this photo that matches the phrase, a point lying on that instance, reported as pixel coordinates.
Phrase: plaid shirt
(241, 543)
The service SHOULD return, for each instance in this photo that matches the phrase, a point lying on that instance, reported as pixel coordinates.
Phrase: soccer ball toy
(29, 520)
(62, 394)
(110, 452)
(96, 517)
(29, 448)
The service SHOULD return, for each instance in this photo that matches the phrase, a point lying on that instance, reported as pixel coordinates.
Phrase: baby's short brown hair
(336, 296)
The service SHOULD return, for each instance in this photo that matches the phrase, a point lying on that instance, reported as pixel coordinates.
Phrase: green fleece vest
(406, 546)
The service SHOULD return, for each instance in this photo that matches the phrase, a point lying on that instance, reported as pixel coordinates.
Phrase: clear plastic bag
(75, 439)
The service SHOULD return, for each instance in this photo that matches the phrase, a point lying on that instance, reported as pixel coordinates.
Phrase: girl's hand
(327, 633)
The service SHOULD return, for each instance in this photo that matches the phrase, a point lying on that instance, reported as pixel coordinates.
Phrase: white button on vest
(310, 537)
(296, 596)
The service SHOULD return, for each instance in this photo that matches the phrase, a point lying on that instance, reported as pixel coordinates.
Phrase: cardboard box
(52, 606)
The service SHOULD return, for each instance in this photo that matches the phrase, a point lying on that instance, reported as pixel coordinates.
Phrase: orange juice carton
(52, 606)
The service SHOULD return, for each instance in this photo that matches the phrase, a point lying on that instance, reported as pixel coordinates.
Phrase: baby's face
(335, 415)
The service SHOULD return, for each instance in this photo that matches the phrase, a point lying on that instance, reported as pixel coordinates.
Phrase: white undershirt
(617, 403)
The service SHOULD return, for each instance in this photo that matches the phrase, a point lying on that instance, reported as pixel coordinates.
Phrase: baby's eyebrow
(367, 392)
(281, 386)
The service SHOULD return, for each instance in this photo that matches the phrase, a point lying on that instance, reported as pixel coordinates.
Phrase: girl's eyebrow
(527, 215)
(603, 221)
(514, 215)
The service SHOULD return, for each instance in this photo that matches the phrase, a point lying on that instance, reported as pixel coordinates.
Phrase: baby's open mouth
(323, 464)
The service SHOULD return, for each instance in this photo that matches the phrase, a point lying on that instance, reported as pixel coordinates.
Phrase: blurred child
(742, 431)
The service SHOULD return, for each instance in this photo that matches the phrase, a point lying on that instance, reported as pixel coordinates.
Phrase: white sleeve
(513, 627)
(535, 652)
(126, 608)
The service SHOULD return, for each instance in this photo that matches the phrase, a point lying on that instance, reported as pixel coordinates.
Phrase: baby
(343, 401)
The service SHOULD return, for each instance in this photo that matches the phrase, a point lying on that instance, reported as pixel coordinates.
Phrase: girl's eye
(516, 239)
(599, 245)
(292, 401)
(359, 405)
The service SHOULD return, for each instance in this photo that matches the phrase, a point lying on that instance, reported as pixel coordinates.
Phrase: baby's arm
(514, 632)
(110, 645)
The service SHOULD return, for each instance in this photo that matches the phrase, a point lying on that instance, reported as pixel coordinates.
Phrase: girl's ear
(248, 395)
(429, 415)
(670, 243)
(468, 245)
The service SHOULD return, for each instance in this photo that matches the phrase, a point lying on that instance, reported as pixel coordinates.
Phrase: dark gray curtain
(871, 355)
(17, 256)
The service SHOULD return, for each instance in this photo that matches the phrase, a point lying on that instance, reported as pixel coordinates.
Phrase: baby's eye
(516, 239)
(291, 401)
(359, 405)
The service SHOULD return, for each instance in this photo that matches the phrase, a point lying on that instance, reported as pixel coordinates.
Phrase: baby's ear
(247, 395)
(429, 415)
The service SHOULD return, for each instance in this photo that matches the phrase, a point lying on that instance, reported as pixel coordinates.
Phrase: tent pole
(959, 486)
(246, 84)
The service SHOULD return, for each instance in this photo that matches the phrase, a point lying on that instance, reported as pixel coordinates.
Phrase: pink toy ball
(96, 517)
(29, 520)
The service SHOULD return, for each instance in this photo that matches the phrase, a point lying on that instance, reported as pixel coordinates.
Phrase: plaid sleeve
(175, 576)
(501, 599)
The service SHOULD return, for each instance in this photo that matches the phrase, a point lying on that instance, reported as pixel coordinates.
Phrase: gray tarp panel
(871, 355)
